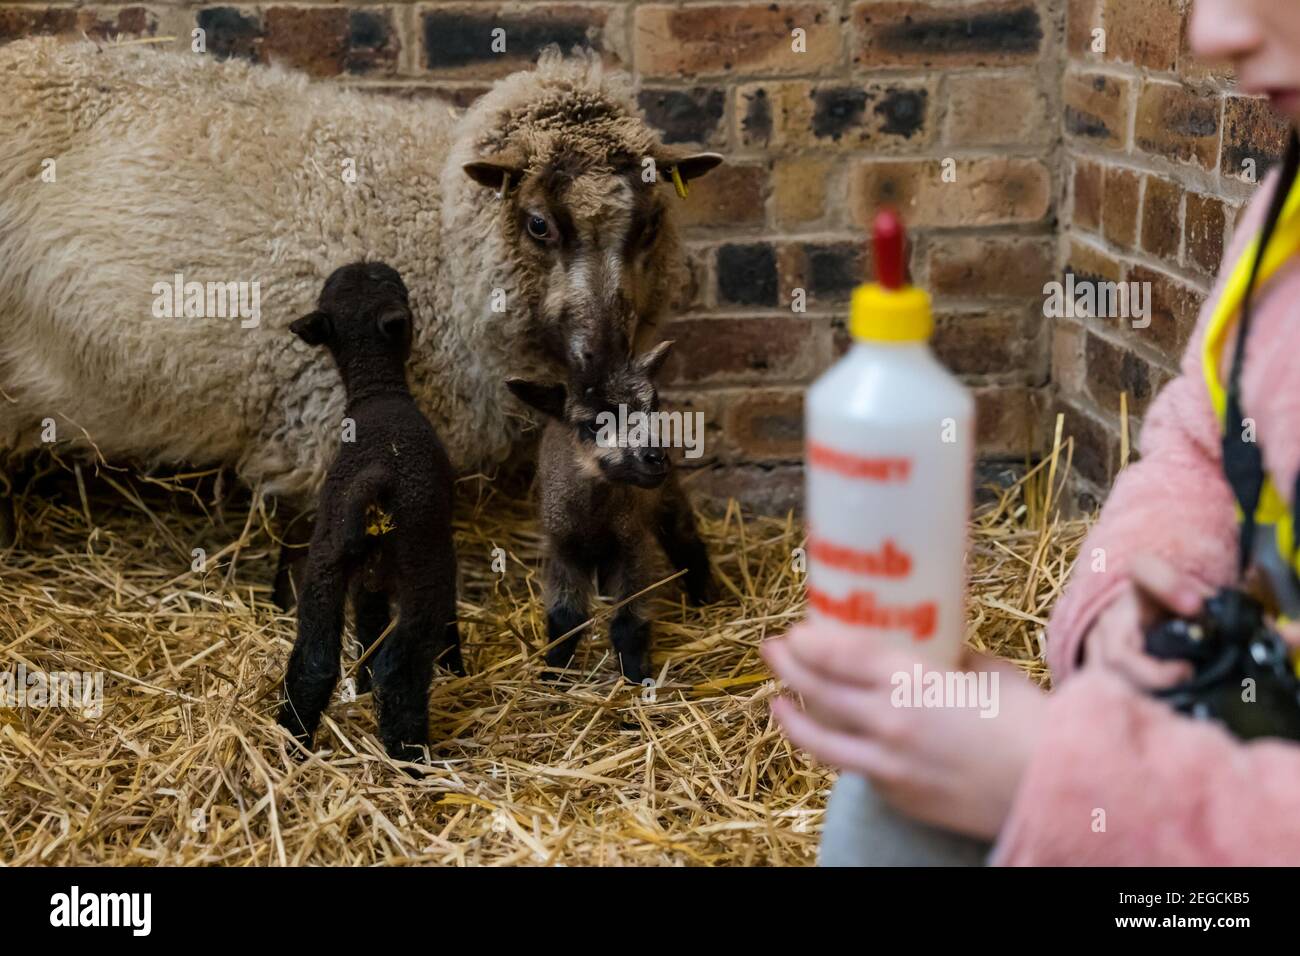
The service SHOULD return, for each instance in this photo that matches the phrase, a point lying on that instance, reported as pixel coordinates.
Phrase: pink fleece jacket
(1118, 778)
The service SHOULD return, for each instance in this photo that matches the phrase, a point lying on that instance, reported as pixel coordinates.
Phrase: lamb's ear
(652, 361)
(313, 328)
(497, 171)
(547, 399)
(395, 325)
(691, 165)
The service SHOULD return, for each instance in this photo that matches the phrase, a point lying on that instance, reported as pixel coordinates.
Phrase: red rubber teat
(888, 242)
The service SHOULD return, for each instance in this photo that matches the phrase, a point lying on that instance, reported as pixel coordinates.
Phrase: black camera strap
(1243, 463)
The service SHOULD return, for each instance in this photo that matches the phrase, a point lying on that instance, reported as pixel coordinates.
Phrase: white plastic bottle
(889, 435)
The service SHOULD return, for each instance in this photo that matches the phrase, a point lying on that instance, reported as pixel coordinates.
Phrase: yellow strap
(1284, 243)
(1282, 246)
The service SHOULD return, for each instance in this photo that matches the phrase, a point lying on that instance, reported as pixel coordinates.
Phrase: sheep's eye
(590, 431)
(538, 228)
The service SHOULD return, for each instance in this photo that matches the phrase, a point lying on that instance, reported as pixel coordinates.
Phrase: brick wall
(1159, 158)
(880, 96)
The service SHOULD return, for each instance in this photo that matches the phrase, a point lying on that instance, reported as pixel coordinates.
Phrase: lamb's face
(593, 242)
(609, 411)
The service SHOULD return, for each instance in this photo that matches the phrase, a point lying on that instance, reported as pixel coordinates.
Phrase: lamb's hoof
(406, 753)
(452, 661)
(291, 722)
(637, 672)
(705, 591)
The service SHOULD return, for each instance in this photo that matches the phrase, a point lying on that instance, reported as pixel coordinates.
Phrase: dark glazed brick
(903, 112)
(757, 121)
(684, 116)
(835, 269)
(230, 34)
(836, 109)
(747, 274)
(455, 38)
(941, 34)
(372, 42)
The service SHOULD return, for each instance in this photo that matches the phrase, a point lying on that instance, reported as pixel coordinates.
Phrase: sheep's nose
(654, 456)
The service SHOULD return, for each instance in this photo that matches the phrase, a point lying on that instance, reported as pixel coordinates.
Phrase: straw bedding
(185, 765)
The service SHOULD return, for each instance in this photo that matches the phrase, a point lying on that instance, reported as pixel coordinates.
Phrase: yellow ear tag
(380, 522)
(679, 184)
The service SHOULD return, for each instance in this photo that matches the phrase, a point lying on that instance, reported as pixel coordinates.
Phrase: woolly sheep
(122, 167)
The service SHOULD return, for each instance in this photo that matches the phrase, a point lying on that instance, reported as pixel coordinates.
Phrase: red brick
(716, 39)
(1178, 123)
(991, 191)
(991, 267)
(1251, 131)
(1162, 226)
(1121, 203)
(1006, 344)
(731, 195)
(736, 350)
(799, 189)
(761, 489)
(1003, 110)
(1205, 221)
(1095, 451)
(920, 34)
(1083, 17)
(1114, 370)
(1097, 108)
(1007, 421)
(765, 425)
(1174, 310)
(1088, 191)
(1146, 33)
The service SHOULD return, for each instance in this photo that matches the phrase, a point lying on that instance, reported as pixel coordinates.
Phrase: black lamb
(383, 524)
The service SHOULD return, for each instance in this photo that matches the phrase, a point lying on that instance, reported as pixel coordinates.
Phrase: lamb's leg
(679, 536)
(292, 566)
(314, 664)
(404, 671)
(567, 590)
(372, 615)
(629, 632)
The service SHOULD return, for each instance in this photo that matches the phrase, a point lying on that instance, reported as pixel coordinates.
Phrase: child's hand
(947, 766)
(1155, 589)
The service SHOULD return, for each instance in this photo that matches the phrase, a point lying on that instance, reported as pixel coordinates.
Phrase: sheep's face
(592, 242)
(610, 415)
(363, 311)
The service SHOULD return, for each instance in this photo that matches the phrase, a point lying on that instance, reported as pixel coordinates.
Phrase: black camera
(1242, 676)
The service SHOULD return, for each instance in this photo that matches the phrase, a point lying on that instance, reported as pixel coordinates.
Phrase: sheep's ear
(692, 165)
(496, 172)
(313, 328)
(547, 399)
(652, 361)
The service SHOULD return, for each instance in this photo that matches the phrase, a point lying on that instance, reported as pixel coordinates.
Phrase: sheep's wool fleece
(170, 163)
